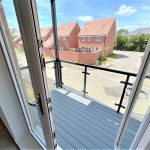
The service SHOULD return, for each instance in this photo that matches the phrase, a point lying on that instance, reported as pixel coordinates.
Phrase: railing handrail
(102, 68)
(92, 66)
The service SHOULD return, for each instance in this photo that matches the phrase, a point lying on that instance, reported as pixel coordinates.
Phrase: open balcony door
(39, 119)
(142, 81)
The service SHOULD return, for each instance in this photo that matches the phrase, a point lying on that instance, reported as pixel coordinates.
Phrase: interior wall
(11, 112)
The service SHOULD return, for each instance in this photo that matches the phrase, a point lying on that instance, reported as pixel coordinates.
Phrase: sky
(130, 14)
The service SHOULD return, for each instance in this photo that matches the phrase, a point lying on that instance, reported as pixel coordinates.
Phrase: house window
(98, 38)
(89, 38)
(61, 48)
(98, 49)
(83, 38)
(64, 38)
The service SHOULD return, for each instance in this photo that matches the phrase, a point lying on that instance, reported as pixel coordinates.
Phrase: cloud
(85, 18)
(146, 8)
(125, 10)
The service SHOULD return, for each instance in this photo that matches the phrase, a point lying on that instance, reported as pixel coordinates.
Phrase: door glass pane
(45, 23)
(141, 109)
(17, 51)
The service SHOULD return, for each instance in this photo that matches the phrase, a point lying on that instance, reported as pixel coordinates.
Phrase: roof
(97, 27)
(45, 31)
(50, 42)
(65, 29)
(140, 31)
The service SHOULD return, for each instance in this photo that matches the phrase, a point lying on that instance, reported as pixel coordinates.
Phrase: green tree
(132, 43)
(122, 32)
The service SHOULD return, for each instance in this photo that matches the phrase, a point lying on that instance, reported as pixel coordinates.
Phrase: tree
(132, 43)
(122, 32)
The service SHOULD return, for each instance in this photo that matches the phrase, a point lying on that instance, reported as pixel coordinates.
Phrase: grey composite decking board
(81, 138)
(63, 142)
(97, 131)
(87, 119)
(67, 135)
(85, 123)
(80, 126)
(84, 133)
(77, 110)
(99, 115)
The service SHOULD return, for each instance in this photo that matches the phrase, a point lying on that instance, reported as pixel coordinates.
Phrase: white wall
(10, 110)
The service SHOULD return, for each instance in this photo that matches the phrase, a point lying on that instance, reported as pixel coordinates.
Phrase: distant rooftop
(45, 31)
(97, 27)
(140, 31)
(66, 28)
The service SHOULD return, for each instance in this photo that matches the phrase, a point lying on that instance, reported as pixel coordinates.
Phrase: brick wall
(111, 38)
(80, 57)
(73, 37)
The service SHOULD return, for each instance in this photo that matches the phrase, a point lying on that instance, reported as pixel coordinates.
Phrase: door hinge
(55, 146)
(53, 135)
(49, 105)
(40, 43)
(39, 104)
(43, 65)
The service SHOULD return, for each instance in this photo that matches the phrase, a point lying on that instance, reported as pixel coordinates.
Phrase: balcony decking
(84, 124)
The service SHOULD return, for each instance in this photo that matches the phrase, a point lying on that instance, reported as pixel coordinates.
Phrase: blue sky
(130, 14)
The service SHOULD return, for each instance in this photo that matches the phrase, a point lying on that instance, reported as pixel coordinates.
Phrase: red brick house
(98, 35)
(67, 36)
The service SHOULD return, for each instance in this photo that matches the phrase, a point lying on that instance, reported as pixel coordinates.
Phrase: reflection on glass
(45, 22)
(141, 109)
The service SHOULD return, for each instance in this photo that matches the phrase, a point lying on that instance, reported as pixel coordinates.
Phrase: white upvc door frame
(25, 10)
(6, 47)
(142, 129)
(132, 100)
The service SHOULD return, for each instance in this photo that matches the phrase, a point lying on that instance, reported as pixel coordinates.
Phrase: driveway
(125, 61)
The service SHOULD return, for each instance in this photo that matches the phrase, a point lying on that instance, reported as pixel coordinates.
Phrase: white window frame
(98, 38)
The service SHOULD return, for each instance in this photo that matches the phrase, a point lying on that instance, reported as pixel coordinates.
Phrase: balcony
(82, 121)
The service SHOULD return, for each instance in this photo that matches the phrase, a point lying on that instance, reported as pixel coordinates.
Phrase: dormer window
(98, 38)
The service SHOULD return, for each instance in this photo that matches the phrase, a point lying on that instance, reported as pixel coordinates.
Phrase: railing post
(123, 93)
(58, 73)
(57, 65)
(85, 77)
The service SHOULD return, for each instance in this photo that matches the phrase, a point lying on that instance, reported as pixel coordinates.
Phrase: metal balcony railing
(85, 73)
